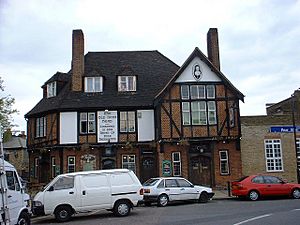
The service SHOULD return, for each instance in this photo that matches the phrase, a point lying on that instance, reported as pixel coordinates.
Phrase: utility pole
(295, 137)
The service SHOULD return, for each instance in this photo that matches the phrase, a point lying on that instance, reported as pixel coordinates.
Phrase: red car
(257, 186)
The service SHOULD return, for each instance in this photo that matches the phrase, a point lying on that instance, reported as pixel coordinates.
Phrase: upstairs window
(87, 123)
(93, 84)
(40, 130)
(210, 91)
(51, 89)
(126, 83)
(127, 121)
(197, 91)
(185, 93)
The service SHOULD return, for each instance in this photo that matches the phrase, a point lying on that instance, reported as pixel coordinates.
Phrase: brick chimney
(77, 60)
(213, 47)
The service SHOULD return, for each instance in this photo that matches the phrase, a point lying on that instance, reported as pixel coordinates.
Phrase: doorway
(200, 170)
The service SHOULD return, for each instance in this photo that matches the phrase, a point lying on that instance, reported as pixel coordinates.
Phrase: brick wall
(255, 130)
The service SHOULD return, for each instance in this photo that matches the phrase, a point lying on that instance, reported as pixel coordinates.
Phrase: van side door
(14, 195)
(62, 191)
(95, 191)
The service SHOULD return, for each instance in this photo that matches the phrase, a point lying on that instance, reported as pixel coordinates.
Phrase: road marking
(254, 218)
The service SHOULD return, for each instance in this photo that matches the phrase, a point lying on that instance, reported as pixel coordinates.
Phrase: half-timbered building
(138, 110)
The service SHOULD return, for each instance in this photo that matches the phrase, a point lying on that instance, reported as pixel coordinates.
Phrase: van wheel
(24, 219)
(163, 200)
(63, 213)
(122, 208)
(203, 197)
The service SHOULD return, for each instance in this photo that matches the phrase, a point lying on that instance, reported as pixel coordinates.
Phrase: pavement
(221, 194)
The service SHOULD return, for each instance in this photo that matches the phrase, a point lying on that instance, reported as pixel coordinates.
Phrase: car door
(172, 189)
(62, 191)
(187, 190)
(275, 186)
(95, 191)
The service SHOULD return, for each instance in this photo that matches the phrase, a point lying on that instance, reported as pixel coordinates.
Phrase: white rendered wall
(68, 128)
(207, 74)
(145, 125)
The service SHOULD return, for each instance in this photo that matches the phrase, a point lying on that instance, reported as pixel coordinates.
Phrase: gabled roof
(194, 54)
(153, 71)
(16, 142)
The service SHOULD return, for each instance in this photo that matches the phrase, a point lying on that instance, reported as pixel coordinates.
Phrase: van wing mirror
(51, 188)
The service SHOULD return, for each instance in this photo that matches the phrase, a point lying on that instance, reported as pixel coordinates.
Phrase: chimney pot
(213, 47)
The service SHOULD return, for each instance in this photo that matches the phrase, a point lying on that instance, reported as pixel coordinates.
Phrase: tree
(6, 109)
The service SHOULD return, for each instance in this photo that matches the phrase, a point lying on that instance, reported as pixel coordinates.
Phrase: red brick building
(138, 110)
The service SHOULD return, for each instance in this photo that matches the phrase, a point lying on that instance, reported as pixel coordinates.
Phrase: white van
(14, 202)
(117, 190)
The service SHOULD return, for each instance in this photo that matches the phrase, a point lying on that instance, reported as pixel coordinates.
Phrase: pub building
(141, 111)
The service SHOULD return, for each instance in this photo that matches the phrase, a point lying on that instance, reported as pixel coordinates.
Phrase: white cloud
(258, 40)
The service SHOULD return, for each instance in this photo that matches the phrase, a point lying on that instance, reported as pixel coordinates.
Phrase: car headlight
(37, 203)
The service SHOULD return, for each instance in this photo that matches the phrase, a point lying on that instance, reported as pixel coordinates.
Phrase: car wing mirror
(51, 188)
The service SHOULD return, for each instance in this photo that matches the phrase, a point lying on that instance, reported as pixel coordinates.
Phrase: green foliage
(6, 109)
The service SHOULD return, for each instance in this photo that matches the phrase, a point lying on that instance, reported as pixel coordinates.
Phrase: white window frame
(199, 91)
(185, 92)
(128, 163)
(127, 124)
(186, 114)
(176, 162)
(210, 91)
(91, 84)
(124, 83)
(273, 155)
(41, 124)
(198, 109)
(69, 164)
(88, 121)
(224, 161)
(212, 114)
(51, 89)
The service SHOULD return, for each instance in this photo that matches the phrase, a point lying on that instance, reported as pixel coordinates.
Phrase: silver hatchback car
(163, 190)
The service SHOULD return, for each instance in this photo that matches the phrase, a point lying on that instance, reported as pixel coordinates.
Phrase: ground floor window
(128, 162)
(224, 162)
(176, 161)
(273, 155)
(71, 164)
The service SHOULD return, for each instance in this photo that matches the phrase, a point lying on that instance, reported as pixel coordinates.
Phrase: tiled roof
(153, 71)
(15, 143)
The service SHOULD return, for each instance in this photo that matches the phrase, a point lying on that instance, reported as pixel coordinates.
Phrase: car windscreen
(151, 182)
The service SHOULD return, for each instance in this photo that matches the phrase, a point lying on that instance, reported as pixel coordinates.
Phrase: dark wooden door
(148, 169)
(200, 167)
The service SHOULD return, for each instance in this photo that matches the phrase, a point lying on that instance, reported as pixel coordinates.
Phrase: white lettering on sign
(107, 126)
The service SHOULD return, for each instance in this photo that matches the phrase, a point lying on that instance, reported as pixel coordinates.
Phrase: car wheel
(122, 208)
(163, 200)
(24, 219)
(253, 195)
(63, 213)
(296, 193)
(203, 197)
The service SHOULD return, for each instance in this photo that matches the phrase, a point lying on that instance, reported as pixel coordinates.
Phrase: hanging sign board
(107, 126)
(167, 168)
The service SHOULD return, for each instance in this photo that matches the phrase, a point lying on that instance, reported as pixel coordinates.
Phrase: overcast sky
(259, 41)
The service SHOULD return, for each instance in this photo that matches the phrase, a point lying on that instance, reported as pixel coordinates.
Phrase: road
(216, 212)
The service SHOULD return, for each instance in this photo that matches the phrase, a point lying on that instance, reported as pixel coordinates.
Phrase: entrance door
(148, 168)
(200, 168)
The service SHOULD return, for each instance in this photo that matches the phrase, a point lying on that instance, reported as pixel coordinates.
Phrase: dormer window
(126, 83)
(51, 89)
(93, 84)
